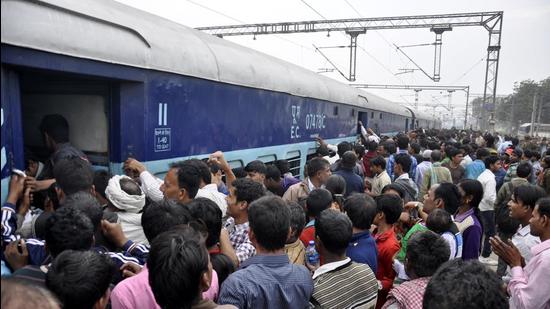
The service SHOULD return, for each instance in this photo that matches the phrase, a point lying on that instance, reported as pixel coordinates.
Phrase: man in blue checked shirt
(268, 279)
(403, 144)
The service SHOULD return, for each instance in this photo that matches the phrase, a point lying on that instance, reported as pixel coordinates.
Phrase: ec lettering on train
(162, 139)
(295, 128)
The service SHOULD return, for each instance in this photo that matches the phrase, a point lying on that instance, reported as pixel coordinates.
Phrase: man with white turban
(127, 200)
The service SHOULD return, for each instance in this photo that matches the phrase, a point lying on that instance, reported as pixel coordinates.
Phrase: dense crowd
(423, 219)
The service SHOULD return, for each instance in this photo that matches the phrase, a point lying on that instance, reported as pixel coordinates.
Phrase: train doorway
(84, 102)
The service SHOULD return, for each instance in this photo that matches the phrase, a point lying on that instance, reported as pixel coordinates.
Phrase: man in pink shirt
(135, 292)
(529, 285)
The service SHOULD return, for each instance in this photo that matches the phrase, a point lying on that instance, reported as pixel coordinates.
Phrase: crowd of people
(423, 219)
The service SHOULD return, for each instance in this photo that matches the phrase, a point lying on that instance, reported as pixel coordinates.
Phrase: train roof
(112, 32)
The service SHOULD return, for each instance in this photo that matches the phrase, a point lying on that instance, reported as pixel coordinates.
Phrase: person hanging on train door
(55, 131)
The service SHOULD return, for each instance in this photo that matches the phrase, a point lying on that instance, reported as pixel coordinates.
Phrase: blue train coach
(132, 84)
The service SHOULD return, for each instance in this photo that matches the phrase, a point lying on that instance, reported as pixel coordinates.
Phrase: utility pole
(533, 113)
(538, 118)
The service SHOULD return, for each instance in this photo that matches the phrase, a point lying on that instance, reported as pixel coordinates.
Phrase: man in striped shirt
(339, 282)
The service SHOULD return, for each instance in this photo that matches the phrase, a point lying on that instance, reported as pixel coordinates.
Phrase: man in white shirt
(171, 186)
(521, 207)
(487, 207)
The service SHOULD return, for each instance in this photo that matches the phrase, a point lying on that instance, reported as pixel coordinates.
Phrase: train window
(380, 115)
(371, 115)
(236, 163)
(335, 110)
(352, 112)
(294, 162)
(267, 159)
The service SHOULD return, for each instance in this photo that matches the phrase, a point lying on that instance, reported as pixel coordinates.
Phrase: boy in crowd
(243, 192)
(388, 210)
(339, 282)
(361, 210)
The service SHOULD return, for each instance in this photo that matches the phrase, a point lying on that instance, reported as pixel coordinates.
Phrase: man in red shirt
(388, 210)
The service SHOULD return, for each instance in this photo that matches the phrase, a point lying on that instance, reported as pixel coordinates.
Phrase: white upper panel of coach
(112, 32)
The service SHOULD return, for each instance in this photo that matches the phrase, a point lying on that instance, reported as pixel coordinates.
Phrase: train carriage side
(123, 96)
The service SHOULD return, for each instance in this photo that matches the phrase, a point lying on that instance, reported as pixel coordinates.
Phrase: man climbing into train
(55, 132)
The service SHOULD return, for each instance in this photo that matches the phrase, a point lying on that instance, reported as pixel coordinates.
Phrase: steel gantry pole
(494, 27)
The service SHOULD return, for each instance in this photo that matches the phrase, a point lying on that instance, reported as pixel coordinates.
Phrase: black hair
(80, 278)
(439, 221)
(415, 147)
(247, 190)
(529, 194)
(88, 205)
(177, 261)
(475, 189)
(391, 206)
(316, 165)
(524, 169)
(223, 266)
(361, 209)
(403, 142)
(269, 220)
(426, 251)
(206, 175)
(283, 166)
(317, 201)
(21, 293)
(359, 150)
(210, 214)
(51, 192)
(404, 160)
(349, 160)
(56, 126)
(334, 229)
(435, 155)
(395, 187)
(322, 151)
(297, 218)
(256, 166)
(518, 152)
(239, 172)
(214, 167)
(459, 284)
(189, 176)
(450, 195)
(452, 152)
(73, 174)
(489, 140)
(343, 147)
(372, 145)
(68, 229)
(379, 161)
(515, 141)
(482, 153)
(162, 216)
(129, 186)
(544, 206)
(490, 160)
(390, 147)
(101, 181)
(273, 173)
(336, 185)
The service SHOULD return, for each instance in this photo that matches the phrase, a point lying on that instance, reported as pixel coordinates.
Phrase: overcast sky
(525, 52)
